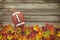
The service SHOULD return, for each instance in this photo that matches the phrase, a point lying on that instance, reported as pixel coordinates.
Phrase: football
(18, 18)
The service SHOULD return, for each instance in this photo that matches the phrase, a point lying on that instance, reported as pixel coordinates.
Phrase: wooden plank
(4, 9)
(29, 0)
(31, 5)
(52, 1)
(29, 10)
(33, 23)
(22, 0)
(33, 13)
(37, 18)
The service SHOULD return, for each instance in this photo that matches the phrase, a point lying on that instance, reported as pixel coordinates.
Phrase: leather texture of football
(18, 18)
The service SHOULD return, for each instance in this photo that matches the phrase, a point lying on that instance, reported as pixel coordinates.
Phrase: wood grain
(30, 0)
(36, 18)
(35, 11)
(29, 10)
(38, 13)
(34, 23)
(31, 5)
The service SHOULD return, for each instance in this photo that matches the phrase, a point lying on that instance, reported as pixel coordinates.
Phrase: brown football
(18, 18)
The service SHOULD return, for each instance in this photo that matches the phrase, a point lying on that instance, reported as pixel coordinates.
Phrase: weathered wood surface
(30, 10)
(34, 23)
(31, 5)
(29, 0)
(36, 18)
(21, 0)
(33, 13)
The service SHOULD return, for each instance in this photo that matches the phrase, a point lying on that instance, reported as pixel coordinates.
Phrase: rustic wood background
(35, 11)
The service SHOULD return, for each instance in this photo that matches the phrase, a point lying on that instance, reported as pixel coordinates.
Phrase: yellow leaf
(10, 37)
(36, 27)
(0, 36)
(58, 35)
